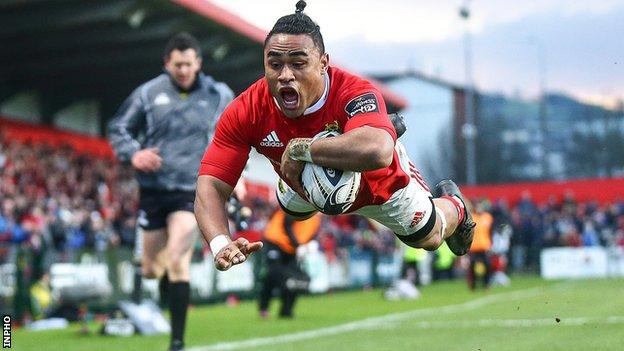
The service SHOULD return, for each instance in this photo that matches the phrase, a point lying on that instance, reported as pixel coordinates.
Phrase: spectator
(283, 235)
(443, 263)
(480, 248)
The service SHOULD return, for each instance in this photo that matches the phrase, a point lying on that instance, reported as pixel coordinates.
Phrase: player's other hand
(236, 252)
(292, 169)
(147, 160)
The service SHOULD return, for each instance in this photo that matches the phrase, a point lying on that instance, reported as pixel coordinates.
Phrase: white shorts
(407, 212)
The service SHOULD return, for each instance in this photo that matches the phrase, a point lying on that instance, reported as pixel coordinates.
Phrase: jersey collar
(201, 80)
(317, 105)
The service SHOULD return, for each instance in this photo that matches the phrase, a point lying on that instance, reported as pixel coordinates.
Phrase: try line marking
(373, 322)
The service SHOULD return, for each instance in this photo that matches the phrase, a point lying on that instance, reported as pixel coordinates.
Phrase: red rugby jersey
(253, 119)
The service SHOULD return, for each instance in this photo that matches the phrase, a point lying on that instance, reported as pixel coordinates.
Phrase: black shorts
(156, 205)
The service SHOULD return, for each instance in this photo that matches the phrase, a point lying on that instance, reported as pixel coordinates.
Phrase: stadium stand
(65, 185)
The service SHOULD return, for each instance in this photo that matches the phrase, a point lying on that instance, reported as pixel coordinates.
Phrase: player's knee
(430, 242)
(175, 263)
(431, 247)
(178, 265)
(433, 243)
(178, 273)
(151, 271)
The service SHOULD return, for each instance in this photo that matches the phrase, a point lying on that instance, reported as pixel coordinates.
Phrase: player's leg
(288, 295)
(265, 295)
(446, 219)
(415, 216)
(271, 278)
(153, 260)
(425, 223)
(487, 277)
(292, 203)
(460, 239)
(289, 298)
(153, 236)
(482, 269)
(153, 223)
(182, 234)
(471, 276)
(452, 221)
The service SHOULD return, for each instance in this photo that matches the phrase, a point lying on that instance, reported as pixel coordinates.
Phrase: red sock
(459, 206)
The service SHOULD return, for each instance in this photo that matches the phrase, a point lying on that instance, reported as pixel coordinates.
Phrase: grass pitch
(532, 314)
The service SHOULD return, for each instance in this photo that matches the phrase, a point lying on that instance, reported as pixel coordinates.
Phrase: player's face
(183, 67)
(294, 69)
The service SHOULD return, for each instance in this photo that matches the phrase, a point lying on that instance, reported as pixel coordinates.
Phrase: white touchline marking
(373, 322)
(515, 323)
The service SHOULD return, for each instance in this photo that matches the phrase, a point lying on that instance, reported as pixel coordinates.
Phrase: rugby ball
(331, 191)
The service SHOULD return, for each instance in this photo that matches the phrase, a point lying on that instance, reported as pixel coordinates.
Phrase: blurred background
(521, 102)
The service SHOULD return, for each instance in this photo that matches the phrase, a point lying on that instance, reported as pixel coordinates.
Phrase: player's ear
(324, 62)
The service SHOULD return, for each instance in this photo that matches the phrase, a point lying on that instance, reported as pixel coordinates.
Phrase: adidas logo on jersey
(271, 140)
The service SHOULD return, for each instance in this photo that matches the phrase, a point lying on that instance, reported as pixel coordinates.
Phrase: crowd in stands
(556, 223)
(59, 200)
(55, 198)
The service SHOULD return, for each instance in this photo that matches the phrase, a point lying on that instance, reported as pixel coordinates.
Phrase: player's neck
(321, 101)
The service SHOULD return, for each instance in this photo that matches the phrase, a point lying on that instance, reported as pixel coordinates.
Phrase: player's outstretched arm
(236, 252)
(361, 149)
(212, 220)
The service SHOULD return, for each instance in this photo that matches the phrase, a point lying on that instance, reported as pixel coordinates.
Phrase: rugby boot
(461, 239)
(398, 122)
(176, 345)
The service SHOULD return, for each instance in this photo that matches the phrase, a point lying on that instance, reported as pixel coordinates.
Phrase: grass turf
(447, 317)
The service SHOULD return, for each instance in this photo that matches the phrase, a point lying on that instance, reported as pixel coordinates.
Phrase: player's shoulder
(255, 96)
(349, 82)
(355, 94)
(258, 90)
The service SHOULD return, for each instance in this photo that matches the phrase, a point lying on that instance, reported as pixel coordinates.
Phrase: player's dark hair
(298, 23)
(182, 41)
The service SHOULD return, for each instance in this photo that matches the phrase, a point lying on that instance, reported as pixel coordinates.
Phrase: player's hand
(147, 160)
(292, 169)
(236, 252)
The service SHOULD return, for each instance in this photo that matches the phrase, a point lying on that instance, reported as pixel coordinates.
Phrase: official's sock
(179, 295)
(459, 206)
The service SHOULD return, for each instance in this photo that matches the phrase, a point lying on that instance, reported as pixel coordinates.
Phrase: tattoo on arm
(299, 149)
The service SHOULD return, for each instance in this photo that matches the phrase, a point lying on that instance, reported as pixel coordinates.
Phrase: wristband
(218, 242)
(299, 149)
